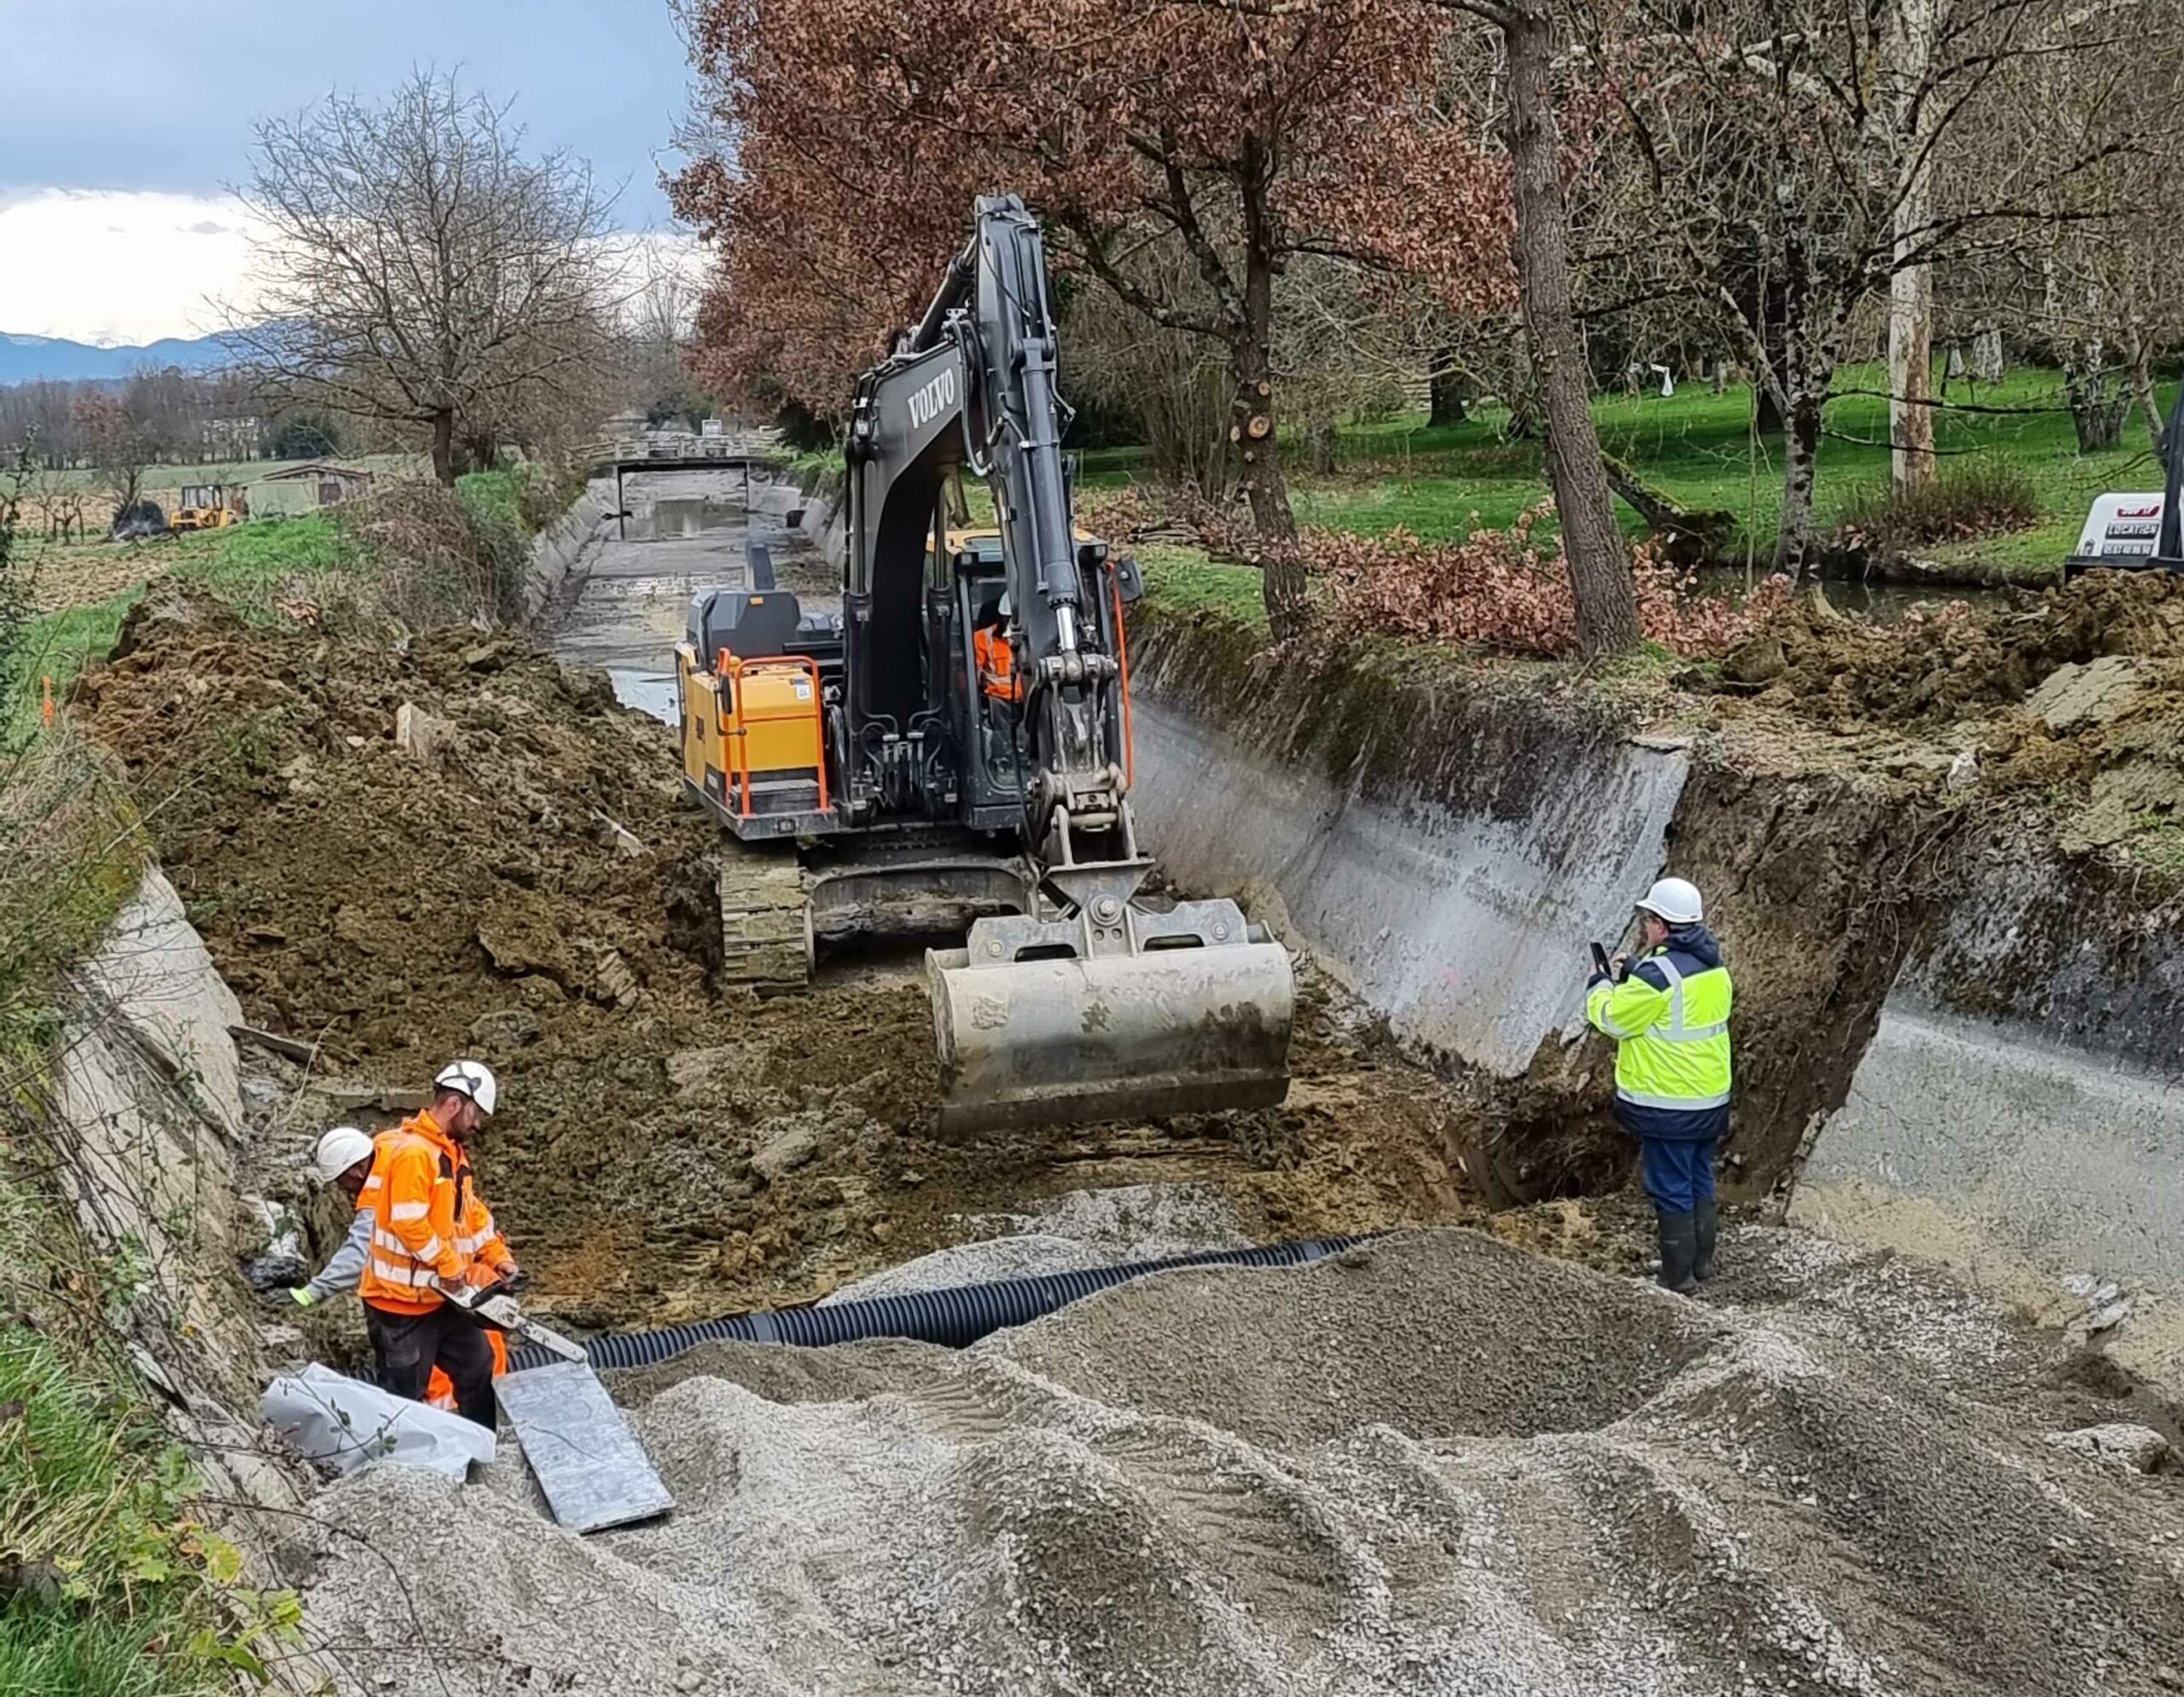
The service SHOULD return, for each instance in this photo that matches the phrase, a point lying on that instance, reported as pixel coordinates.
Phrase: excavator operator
(996, 660)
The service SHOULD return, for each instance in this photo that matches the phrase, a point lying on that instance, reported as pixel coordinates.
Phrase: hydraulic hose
(954, 1318)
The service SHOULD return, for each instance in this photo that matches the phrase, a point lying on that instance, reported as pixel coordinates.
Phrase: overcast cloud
(126, 121)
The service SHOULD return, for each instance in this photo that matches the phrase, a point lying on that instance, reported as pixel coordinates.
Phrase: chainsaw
(493, 1307)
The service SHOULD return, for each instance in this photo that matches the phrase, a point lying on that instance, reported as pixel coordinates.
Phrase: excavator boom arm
(973, 384)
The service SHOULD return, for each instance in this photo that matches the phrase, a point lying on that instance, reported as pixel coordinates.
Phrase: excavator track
(766, 922)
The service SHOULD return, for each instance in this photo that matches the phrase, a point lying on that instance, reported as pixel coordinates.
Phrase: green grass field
(1699, 447)
(250, 471)
(96, 583)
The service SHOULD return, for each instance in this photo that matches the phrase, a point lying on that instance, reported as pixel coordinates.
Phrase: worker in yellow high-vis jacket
(1668, 1010)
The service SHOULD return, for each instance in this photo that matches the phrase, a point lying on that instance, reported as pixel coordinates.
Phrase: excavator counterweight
(957, 747)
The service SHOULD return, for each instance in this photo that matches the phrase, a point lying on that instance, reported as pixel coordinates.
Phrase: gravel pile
(1074, 1231)
(1442, 1465)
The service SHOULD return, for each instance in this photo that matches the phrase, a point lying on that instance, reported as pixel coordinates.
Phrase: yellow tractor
(210, 507)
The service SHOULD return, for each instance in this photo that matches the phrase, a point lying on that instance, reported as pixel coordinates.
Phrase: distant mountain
(30, 359)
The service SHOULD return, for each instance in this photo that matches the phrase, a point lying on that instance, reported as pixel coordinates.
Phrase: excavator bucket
(1140, 1015)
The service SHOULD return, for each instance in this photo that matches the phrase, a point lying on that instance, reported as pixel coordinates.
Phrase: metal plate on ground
(581, 1448)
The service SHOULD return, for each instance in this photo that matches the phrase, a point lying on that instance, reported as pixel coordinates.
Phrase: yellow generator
(210, 507)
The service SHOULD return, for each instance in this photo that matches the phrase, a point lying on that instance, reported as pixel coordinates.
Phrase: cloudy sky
(125, 122)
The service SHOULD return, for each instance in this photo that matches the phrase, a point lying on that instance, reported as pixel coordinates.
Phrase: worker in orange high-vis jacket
(996, 659)
(354, 1162)
(432, 1231)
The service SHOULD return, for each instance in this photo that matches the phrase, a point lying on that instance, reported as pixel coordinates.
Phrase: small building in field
(306, 488)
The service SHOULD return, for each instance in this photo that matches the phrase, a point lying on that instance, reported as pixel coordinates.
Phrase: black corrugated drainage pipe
(954, 1318)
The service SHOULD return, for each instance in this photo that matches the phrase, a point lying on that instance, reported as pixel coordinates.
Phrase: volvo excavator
(904, 787)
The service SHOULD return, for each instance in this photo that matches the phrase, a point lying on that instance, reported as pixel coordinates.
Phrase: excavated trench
(1440, 842)
(1440, 1464)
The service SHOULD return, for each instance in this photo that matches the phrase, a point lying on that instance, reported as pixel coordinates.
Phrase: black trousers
(408, 1346)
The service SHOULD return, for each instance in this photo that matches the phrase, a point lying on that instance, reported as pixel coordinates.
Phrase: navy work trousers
(1678, 1171)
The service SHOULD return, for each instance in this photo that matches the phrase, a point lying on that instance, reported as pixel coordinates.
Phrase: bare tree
(657, 329)
(1784, 138)
(1175, 381)
(423, 271)
(118, 446)
(2096, 288)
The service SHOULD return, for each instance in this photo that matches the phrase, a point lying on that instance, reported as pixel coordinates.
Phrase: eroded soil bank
(1851, 798)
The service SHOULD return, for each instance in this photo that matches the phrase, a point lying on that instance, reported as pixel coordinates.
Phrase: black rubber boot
(1702, 1259)
(1679, 1243)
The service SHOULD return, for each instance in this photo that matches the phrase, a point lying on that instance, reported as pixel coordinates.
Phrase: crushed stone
(1069, 1233)
(1447, 1466)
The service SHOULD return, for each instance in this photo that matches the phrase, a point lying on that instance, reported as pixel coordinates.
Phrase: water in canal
(685, 530)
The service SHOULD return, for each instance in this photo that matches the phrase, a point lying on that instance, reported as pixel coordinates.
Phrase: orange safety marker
(46, 710)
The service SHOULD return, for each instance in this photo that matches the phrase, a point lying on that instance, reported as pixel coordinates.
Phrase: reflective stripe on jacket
(1671, 1021)
(429, 1222)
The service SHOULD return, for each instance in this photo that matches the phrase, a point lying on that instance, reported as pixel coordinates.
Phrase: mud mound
(458, 846)
(1956, 663)
(1702, 1499)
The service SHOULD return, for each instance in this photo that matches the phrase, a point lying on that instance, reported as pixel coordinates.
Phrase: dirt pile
(460, 847)
(2074, 697)
(1356, 1479)
(1956, 662)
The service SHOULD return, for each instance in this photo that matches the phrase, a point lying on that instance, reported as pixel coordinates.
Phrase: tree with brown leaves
(117, 443)
(840, 142)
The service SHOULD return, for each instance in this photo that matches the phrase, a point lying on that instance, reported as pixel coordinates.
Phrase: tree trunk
(2143, 390)
(1258, 452)
(1911, 377)
(1319, 437)
(1767, 417)
(1600, 571)
(2096, 411)
(444, 447)
(1911, 287)
(1259, 447)
(1447, 394)
(1794, 547)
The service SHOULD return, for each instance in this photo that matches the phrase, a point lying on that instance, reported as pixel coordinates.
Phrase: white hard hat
(1005, 608)
(1676, 900)
(472, 1079)
(338, 1151)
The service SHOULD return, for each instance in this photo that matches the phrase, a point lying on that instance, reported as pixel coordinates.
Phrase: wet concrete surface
(686, 532)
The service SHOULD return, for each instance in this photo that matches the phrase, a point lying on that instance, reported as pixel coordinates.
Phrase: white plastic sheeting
(349, 1424)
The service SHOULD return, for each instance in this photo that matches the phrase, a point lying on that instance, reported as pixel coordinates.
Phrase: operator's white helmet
(338, 1151)
(472, 1079)
(1674, 899)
